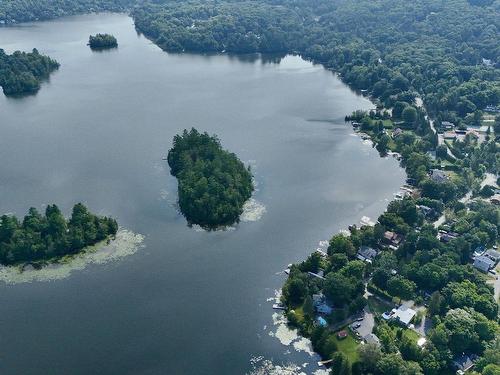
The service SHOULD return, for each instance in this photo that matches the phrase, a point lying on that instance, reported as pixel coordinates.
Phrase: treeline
(100, 41)
(239, 27)
(45, 237)
(14, 11)
(21, 72)
(443, 51)
(213, 184)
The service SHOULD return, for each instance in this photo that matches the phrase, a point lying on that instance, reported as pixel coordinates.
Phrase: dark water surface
(190, 302)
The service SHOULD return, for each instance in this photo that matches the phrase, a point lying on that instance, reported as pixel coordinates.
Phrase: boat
(278, 306)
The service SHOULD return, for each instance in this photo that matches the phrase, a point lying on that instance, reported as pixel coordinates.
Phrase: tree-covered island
(102, 41)
(213, 183)
(22, 72)
(41, 238)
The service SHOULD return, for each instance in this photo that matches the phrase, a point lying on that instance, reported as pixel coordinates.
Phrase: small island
(213, 183)
(102, 41)
(22, 72)
(39, 239)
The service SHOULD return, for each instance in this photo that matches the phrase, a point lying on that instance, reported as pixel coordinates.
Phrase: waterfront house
(392, 238)
(366, 254)
(439, 176)
(321, 305)
(426, 211)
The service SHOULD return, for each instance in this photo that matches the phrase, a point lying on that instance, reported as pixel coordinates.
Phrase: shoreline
(125, 243)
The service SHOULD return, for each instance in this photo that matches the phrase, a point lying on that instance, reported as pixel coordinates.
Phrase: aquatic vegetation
(126, 243)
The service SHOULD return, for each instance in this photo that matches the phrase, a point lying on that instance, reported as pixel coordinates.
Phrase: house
(439, 176)
(426, 211)
(318, 275)
(463, 363)
(402, 314)
(450, 135)
(371, 338)
(447, 237)
(392, 238)
(483, 263)
(320, 304)
(480, 250)
(495, 199)
(366, 254)
(447, 125)
(493, 255)
(421, 342)
(397, 132)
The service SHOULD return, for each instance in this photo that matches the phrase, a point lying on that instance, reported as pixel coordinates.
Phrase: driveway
(367, 323)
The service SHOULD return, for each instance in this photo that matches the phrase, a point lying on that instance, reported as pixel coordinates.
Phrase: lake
(189, 301)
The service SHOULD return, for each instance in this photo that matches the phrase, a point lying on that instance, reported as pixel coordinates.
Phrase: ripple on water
(125, 244)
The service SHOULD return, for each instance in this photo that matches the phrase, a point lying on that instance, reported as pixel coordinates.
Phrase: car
(360, 319)
(356, 325)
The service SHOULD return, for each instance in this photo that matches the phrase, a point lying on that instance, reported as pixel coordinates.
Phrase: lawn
(348, 346)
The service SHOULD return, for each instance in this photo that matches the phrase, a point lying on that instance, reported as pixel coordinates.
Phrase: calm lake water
(189, 302)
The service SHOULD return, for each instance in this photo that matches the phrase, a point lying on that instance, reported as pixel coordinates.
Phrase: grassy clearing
(348, 346)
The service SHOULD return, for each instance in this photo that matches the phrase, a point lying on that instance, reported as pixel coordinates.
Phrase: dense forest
(446, 52)
(101, 41)
(213, 184)
(21, 72)
(50, 236)
(14, 11)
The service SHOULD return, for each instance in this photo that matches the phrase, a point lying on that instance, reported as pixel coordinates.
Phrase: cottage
(366, 254)
(392, 238)
(463, 363)
(439, 176)
(483, 263)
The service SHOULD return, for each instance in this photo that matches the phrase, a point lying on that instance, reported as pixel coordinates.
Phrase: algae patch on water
(125, 243)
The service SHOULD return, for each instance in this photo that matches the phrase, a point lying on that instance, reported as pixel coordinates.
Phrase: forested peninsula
(213, 184)
(22, 72)
(102, 41)
(49, 237)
